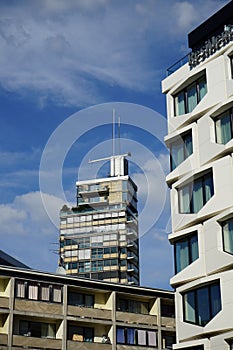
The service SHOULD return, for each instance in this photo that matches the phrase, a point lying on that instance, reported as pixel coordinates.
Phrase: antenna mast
(119, 135)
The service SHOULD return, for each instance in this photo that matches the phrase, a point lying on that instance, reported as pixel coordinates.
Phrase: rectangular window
(38, 291)
(224, 127)
(186, 251)
(134, 336)
(133, 306)
(194, 195)
(37, 329)
(187, 99)
(227, 230)
(80, 299)
(84, 334)
(181, 149)
(202, 304)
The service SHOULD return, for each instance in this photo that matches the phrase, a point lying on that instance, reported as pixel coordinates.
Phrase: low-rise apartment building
(40, 310)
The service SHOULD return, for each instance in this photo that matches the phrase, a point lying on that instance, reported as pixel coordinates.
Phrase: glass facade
(194, 195)
(181, 149)
(202, 304)
(187, 99)
(186, 251)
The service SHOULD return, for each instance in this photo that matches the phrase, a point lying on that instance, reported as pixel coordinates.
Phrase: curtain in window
(203, 307)
(194, 248)
(33, 292)
(197, 196)
(228, 236)
(177, 154)
(189, 307)
(184, 199)
(141, 337)
(44, 293)
(202, 87)
(180, 103)
(120, 336)
(152, 338)
(208, 187)
(20, 289)
(131, 336)
(223, 128)
(192, 97)
(215, 297)
(182, 255)
(188, 143)
(57, 294)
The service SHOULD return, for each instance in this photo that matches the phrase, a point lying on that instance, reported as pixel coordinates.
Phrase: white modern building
(200, 138)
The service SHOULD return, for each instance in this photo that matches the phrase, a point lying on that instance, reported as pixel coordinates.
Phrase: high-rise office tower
(200, 139)
(99, 237)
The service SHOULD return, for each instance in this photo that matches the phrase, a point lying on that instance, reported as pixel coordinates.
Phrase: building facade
(99, 237)
(40, 310)
(200, 138)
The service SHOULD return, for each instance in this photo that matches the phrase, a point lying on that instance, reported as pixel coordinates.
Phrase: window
(186, 251)
(181, 149)
(194, 195)
(187, 99)
(97, 253)
(224, 127)
(80, 299)
(227, 231)
(134, 336)
(38, 291)
(202, 304)
(37, 329)
(78, 333)
(134, 306)
(110, 250)
(97, 265)
(84, 266)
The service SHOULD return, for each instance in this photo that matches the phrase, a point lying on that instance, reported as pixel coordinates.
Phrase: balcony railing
(89, 312)
(76, 345)
(177, 65)
(33, 342)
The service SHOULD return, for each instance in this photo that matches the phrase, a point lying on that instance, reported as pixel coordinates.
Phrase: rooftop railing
(177, 65)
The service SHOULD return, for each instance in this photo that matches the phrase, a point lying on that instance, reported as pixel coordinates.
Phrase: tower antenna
(119, 135)
(113, 132)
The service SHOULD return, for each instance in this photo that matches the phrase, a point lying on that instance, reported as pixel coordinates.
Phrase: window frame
(184, 92)
(187, 238)
(219, 117)
(190, 187)
(223, 223)
(208, 287)
(181, 141)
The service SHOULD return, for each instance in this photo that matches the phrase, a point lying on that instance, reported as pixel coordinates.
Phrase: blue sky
(59, 58)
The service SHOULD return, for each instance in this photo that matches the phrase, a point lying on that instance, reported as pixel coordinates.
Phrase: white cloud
(67, 50)
(27, 232)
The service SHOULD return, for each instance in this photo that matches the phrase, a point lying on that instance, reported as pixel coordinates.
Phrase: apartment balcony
(92, 313)
(128, 317)
(76, 345)
(33, 342)
(91, 190)
(38, 307)
(4, 302)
